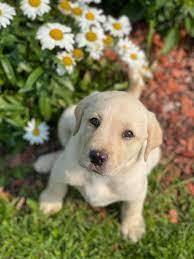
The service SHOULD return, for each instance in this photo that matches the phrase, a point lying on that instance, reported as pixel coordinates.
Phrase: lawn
(35, 82)
(78, 231)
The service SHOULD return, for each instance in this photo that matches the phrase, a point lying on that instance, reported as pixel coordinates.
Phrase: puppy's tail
(138, 80)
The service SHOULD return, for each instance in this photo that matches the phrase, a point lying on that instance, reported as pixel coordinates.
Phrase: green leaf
(32, 78)
(121, 86)
(65, 81)
(171, 40)
(32, 204)
(86, 81)
(7, 67)
(189, 25)
(135, 11)
(45, 106)
(150, 36)
(160, 3)
(16, 121)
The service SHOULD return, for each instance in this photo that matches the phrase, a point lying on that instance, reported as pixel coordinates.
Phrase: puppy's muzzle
(98, 158)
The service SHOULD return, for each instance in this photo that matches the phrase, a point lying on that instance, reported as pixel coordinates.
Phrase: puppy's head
(113, 129)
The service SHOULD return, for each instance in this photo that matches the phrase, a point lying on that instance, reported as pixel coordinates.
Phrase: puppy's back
(66, 125)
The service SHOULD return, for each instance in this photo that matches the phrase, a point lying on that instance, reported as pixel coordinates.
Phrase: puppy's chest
(95, 189)
(98, 193)
(101, 191)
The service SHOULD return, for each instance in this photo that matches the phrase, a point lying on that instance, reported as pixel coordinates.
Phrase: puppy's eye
(95, 122)
(128, 134)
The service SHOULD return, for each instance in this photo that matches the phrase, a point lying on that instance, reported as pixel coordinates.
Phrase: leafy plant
(29, 83)
(163, 16)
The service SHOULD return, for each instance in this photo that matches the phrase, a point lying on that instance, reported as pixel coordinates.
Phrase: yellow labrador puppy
(112, 143)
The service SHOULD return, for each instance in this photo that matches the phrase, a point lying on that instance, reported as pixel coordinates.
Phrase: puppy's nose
(98, 157)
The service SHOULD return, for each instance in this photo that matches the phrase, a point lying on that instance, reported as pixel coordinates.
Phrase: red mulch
(170, 95)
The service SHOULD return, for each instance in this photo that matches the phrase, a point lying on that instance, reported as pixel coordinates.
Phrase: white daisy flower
(36, 134)
(78, 54)
(55, 34)
(118, 27)
(123, 46)
(67, 60)
(6, 14)
(108, 40)
(96, 50)
(34, 8)
(91, 16)
(65, 7)
(135, 57)
(77, 10)
(90, 37)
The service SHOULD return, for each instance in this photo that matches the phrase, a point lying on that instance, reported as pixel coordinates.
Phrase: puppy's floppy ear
(78, 115)
(79, 110)
(154, 134)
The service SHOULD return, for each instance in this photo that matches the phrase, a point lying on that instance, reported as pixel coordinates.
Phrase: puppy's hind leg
(45, 163)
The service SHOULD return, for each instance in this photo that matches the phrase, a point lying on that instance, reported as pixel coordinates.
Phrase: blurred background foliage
(163, 16)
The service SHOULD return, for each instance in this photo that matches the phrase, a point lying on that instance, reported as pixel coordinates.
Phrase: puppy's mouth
(96, 169)
(91, 167)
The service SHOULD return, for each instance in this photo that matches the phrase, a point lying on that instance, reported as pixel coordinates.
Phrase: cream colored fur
(124, 177)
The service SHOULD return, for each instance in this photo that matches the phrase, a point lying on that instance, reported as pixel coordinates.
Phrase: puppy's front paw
(133, 229)
(49, 204)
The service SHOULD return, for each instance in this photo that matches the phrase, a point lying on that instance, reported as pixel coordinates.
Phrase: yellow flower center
(108, 40)
(117, 26)
(133, 56)
(34, 3)
(125, 46)
(56, 34)
(77, 11)
(90, 16)
(78, 53)
(67, 61)
(36, 132)
(91, 36)
(1, 12)
(65, 5)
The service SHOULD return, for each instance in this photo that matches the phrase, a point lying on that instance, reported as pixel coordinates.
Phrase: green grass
(79, 232)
